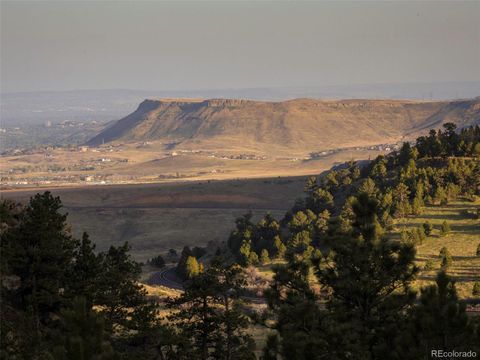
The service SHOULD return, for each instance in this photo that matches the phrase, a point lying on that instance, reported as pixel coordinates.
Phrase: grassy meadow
(462, 242)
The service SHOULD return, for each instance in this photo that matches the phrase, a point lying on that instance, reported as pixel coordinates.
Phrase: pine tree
(40, 252)
(119, 290)
(82, 334)
(438, 322)
(208, 316)
(417, 205)
(370, 307)
(445, 258)
(427, 228)
(264, 258)
(271, 349)
(279, 247)
(299, 319)
(401, 204)
(440, 196)
(84, 273)
(445, 228)
(321, 200)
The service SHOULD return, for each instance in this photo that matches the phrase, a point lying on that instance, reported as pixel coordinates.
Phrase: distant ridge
(300, 123)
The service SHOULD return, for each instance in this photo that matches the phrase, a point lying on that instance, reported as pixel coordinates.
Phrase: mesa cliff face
(300, 123)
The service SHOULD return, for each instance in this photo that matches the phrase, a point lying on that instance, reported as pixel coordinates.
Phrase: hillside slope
(301, 123)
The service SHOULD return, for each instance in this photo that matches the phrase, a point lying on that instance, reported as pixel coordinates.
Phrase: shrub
(429, 265)
(427, 228)
(476, 289)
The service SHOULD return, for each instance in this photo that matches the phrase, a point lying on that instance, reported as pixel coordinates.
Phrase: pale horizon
(192, 46)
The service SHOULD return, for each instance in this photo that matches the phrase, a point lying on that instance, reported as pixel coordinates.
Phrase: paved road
(168, 278)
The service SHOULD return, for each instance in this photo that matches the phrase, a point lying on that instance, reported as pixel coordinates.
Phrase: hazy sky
(203, 45)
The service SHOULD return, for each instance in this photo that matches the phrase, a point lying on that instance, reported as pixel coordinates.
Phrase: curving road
(167, 277)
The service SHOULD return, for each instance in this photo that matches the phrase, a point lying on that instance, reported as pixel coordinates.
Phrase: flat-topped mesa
(226, 102)
(150, 104)
(298, 124)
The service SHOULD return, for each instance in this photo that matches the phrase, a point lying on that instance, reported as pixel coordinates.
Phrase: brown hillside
(300, 123)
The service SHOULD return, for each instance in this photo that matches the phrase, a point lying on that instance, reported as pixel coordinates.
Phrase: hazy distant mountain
(105, 105)
(299, 124)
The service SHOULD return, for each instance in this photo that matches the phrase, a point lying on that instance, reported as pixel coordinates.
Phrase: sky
(67, 45)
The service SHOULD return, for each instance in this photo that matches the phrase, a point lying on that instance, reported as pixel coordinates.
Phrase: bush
(429, 265)
(476, 289)
(427, 228)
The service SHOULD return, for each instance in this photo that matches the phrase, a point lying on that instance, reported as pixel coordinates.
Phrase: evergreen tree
(445, 228)
(445, 258)
(207, 315)
(299, 319)
(264, 258)
(82, 334)
(279, 247)
(401, 200)
(427, 228)
(440, 196)
(119, 290)
(438, 322)
(157, 261)
(243, 232)
(39, 251)
(84, 273)
(370, 307)
(271, 349)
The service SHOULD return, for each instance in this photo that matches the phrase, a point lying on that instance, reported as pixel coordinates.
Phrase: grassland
(156, 217)
(462, 243)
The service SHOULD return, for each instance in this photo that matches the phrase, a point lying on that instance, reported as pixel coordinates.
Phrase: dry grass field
(156, 217)
(461, 242)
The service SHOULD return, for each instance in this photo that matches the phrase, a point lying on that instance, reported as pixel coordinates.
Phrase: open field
(462, 243)
(156, 217)
(156, 162)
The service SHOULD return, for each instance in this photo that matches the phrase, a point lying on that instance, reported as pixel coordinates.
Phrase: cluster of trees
(365, 307)
(449, 142)
(254, 243)
(61, 299)
(188, 265)
(402, 182)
